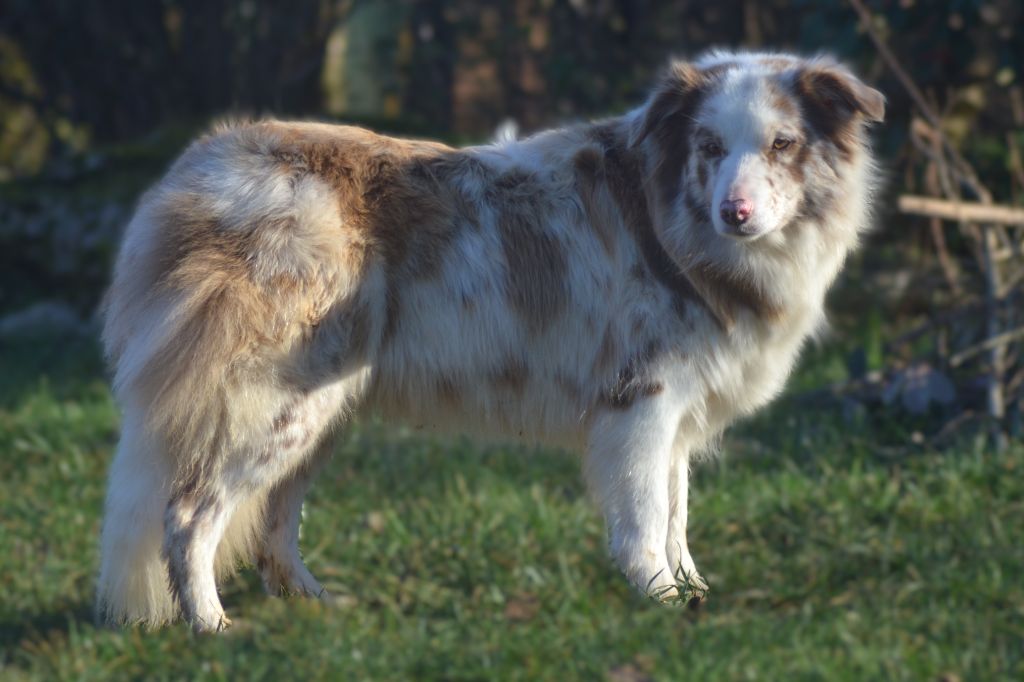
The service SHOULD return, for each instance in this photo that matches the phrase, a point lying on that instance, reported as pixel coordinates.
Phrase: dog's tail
(170, 343)
(225, 267)
(179, 322)
(133, 585)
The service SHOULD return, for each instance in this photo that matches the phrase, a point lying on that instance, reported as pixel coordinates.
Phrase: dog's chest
(750, 367)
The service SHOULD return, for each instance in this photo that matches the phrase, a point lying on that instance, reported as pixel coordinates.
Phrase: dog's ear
(675, 89)
(832, 96)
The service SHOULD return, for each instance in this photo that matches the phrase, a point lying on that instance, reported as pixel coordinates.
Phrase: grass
(828, 557)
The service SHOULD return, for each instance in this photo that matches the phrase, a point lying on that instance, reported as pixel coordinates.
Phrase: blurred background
(96, 98)
(916, 398)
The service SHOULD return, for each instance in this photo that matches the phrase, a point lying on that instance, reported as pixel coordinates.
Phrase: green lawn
(831, 555)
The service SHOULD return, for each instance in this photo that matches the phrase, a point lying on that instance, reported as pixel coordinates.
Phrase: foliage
(74, 74)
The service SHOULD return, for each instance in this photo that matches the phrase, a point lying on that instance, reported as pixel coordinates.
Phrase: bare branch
(964, 168)
(961, 211)
(997, 341)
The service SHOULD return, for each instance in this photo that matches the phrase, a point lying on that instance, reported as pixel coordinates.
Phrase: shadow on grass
(15, 628)
(66, 364)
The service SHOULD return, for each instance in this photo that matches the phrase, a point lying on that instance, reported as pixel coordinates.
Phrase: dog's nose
(735, 212)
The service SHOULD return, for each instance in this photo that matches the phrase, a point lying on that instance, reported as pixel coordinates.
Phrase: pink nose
(735, 211)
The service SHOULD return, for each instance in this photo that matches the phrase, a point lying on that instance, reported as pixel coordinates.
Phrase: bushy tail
(172, 351)
(222, 265)
(133, 585)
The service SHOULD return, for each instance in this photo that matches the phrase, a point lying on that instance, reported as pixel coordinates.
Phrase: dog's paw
(210, 624)
(685, 589)
(654, 584)
(289, 576)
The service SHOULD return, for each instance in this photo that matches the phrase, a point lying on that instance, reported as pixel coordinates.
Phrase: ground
(831, 552)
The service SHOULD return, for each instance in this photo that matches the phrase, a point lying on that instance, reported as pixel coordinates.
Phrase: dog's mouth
(741, 233)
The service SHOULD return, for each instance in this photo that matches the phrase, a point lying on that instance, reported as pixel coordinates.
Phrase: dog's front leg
(676, 548)
(627, 468)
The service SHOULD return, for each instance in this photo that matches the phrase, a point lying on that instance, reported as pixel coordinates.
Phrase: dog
(623, 289)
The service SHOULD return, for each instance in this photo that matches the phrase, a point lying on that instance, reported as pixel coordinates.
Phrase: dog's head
(751, 143)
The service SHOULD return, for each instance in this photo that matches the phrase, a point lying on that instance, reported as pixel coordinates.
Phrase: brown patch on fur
(265, 454)
(697, 208)
(633, 383)
(448, 170)
(794, 158)
(189, 509)
(669, 119)
(670, 95)
(536, 260)
(448, 391)
(778, 63)
(284, 419)
(511, 375)
(833, 103)
(796, 163)
(702, 173)
(624, 173)
(224, 316)
(197, 253)
(397, 196)
(588, 163)
(570, 387)
(815, 206)
(607, 352)
(726, 293)
(592, 190)
(343, 337)
(673, 146)
(275, 576)
(782, 99)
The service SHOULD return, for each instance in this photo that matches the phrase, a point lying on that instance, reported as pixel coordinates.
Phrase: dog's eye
(711, 148)
(781, 143)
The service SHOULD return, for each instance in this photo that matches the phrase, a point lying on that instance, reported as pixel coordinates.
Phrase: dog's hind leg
(301, 442)
(278, 558)
(285, 444)
(194, 523)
